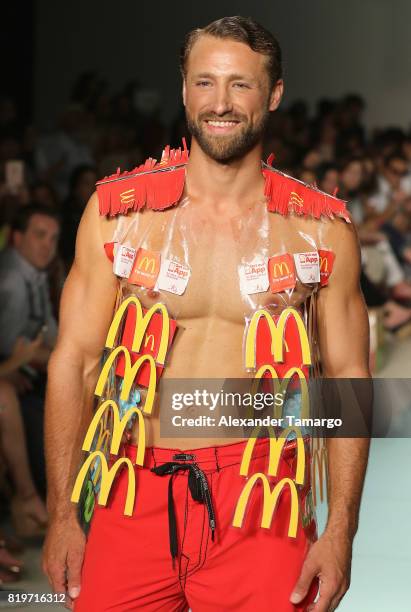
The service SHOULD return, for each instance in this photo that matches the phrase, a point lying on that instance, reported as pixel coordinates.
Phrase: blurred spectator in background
(82, 185)
(350, 133)
(406, 151)
(60, 152)
(395, 315)
(42, 193)
(379, 259)
(152, 132)
(393, 188)
(117, 150)
(28, 510)
(328, 178)
(26, 311)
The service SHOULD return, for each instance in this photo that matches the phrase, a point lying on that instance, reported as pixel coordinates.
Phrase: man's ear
(276, 95)
(184, 91)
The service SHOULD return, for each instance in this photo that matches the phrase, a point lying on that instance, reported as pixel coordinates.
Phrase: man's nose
(223, 103)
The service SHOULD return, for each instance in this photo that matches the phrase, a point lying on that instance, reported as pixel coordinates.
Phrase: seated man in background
(26, 311)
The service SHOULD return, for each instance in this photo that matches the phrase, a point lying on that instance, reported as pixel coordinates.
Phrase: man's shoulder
(9, 265)
(154, 185)
(11, 277)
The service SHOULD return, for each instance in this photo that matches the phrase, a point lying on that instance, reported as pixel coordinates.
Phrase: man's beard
(227, 148)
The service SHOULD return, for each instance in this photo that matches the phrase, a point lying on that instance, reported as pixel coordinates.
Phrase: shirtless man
(231, 82)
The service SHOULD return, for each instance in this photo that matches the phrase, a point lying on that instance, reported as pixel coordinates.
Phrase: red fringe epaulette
(160, 185)
(287, 195)
(156, 185)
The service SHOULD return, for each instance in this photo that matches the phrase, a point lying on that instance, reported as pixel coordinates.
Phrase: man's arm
(85, 314)
(344, 347)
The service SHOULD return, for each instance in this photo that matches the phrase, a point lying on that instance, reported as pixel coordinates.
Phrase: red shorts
(128, 565)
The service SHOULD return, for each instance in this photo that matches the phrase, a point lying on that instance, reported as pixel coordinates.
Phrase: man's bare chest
(225, 261)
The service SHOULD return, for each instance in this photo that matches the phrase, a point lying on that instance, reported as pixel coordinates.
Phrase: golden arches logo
(323, 264)
(102, 444)
(276, 448)
(148, 264)
(119, 426)
(142, 322)
(126, 197)
(278, 269)
(281, 385)
(277, 332)
(270, 499)
(319, 467)
(107, 479)
(130, 373)
(147, 339)
(295, 200)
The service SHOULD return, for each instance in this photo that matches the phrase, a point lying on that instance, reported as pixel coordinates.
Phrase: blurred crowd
(46, 179)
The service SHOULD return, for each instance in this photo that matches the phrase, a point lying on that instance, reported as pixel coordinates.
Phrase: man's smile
(221, 126)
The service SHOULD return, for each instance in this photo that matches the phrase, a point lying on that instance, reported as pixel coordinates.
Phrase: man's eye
(203, 83)
(242, 85)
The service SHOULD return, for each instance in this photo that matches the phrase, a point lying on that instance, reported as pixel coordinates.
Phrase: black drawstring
(200, 492)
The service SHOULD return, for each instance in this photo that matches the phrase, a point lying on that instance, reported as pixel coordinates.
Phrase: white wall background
(330, 47)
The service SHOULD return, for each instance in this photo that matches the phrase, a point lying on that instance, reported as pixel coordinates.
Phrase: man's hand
(63, 557)
(330, 559)
(25, 350)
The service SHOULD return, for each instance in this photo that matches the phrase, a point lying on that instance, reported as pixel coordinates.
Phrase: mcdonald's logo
(281, 272)
(326, 265)
(148, 264)
(102, 444)
(319, 472)
(127, 197)
(270, 499)
(107, 479)
(146, 268)
(307, 511)
(277, 336)
(295, 200)
(147, 339)
(119, 426)
(281, 386)
(93, 483)
(130, 373)
(276, 448)
(142, 322)
(280, 269)
(323, 264)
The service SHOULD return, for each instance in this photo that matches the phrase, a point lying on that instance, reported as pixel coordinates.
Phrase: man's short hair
(240, 29)
(22, 218)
